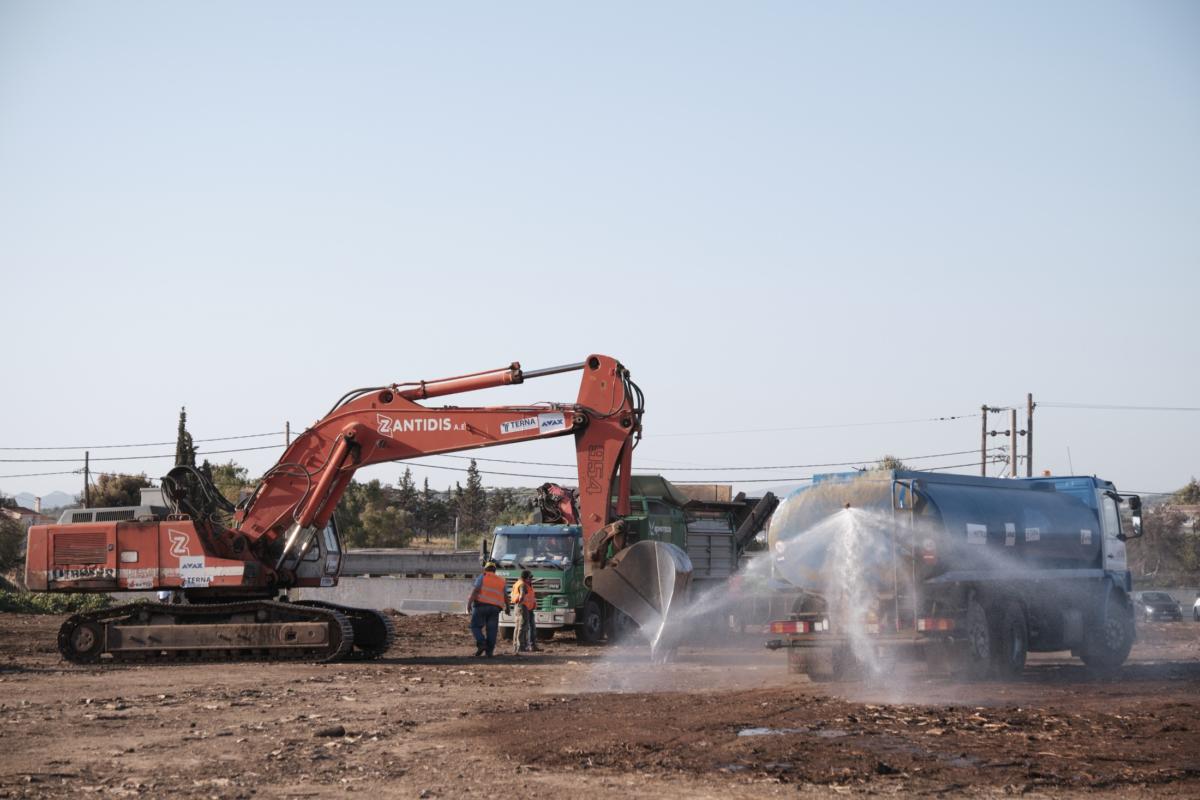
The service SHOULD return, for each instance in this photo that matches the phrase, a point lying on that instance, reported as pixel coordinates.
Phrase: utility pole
(983, 412)
(1029, 406)
(1012, 443)
(87, 483)
(287, 433)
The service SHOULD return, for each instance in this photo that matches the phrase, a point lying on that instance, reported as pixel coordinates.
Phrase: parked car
(1157, 606)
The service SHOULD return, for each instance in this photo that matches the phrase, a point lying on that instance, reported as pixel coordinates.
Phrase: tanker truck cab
(554, 554)
(964, 572)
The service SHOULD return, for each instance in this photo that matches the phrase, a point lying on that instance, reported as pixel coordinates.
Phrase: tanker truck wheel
(1012, 639)
(1108, 642)
(979, 657)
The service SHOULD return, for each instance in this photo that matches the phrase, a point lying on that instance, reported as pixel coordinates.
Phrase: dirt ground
(724, 721)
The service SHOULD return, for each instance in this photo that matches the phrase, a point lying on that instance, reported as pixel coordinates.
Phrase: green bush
(42, 603)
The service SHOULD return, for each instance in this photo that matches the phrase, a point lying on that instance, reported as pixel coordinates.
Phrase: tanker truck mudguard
(966, 573)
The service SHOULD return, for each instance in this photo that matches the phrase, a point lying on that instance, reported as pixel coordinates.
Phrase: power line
(730, 468)
(149, 444)
(489, 472)
(710, 480)
(661, 435)
(810, 477)
(815, 427)
(138, 458)
(40, 474)
(1103, 407)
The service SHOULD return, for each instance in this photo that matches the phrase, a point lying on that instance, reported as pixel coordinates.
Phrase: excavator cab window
(332, 544)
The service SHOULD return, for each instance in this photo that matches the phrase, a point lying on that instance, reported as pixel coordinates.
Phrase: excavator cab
(317, 560)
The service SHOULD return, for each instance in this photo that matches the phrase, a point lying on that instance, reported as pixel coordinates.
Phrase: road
(724, 721)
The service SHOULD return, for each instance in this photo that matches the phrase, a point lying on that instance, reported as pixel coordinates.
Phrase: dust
(695, 638)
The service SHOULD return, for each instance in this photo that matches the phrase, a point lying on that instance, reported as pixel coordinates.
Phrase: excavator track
(374, 631)
(253, 630)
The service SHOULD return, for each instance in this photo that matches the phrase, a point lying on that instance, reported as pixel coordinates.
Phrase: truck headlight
(560, 600)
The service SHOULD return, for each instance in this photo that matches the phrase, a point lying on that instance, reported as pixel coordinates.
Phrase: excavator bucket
(649, 581)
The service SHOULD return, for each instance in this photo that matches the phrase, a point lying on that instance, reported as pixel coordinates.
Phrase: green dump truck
(712, 532)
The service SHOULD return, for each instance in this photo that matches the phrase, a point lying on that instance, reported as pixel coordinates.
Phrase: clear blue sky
(776, 214)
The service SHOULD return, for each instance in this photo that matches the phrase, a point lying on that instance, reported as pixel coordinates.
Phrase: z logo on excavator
(179, 543)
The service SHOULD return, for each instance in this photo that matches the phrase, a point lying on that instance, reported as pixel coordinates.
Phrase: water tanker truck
(969, 573)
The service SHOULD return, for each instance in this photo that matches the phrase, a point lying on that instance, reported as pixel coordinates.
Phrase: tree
(1166, 549)
(385, 526)
(500, 500)
(505, 508)
(230, 478)
(117, 490)
(453, 505)
(433, 514)
(185, 451)
(472, 504)
(890, 462)
(1189, 495)
(350, 509)
(12, 537)
(407, 497)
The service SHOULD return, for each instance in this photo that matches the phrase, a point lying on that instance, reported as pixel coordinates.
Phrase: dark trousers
(530, 629)
(485, 617)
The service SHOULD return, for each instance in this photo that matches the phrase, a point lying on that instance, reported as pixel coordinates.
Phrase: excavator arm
(375, 425)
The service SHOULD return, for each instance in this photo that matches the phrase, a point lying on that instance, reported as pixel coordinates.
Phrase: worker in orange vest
(486, 602)
(524, 600)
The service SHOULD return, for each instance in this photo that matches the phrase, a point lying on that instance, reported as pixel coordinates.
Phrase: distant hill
(49, 501)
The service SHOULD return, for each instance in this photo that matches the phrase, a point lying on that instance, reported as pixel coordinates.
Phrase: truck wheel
(545, 634)
(1107, 643)
(590, 629)
(981, 643)
(507, 634)
(841, 665)
(1013, 641)
(624, 629)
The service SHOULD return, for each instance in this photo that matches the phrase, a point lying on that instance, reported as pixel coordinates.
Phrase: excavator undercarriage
(240, 631)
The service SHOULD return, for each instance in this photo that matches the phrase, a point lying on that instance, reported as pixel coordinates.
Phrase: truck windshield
(534, 550)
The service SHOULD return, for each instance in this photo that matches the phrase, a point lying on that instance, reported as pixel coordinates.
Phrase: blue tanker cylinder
(1012, 528)
(949, 523)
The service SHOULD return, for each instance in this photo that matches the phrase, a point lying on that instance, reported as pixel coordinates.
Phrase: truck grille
(80, 548)
(539, 585)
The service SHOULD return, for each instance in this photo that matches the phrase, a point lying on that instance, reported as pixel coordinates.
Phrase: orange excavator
(234, 564)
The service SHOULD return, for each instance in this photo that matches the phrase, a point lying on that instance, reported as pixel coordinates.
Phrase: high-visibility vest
(491, 590)
(527, 598)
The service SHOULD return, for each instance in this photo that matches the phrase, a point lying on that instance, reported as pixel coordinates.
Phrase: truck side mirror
(484, 547)
(1135, 508)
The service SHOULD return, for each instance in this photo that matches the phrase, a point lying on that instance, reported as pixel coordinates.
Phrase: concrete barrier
(408, 595)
